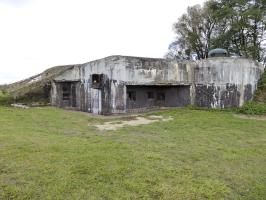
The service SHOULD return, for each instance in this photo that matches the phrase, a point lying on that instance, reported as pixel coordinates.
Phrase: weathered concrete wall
(157, 72)
(225, 82)
(214, 82)
(134, 71)
(118, 97)
(120, 71)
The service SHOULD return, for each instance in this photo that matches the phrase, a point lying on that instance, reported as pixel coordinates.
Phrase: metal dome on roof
(217, 52)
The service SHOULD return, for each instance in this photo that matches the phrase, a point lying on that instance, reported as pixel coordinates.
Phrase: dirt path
(133, 121)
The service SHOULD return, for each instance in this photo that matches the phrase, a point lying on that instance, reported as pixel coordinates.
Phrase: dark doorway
(67, 95)
(66, 91)
(73, 95)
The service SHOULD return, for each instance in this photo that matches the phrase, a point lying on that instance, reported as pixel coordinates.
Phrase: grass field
(48, 153)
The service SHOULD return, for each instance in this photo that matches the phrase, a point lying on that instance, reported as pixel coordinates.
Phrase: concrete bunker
(120, 84)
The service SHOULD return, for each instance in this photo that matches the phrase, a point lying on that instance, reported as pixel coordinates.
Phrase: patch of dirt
(114, 125)
(241, 116)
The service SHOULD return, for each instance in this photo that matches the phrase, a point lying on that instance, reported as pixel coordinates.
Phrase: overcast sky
(38, 34)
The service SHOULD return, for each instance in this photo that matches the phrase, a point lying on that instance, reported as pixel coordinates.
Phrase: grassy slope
(53, 154)
(35, 88)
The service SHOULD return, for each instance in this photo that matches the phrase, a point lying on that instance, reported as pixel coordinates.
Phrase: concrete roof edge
(122, 56)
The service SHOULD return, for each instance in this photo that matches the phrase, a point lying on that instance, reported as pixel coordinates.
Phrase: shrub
(5, 99)
(260, 94)
(253, 108)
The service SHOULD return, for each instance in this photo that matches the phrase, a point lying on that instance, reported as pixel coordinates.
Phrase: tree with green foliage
(238, 26)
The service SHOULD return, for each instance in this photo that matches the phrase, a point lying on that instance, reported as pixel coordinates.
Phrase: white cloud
(39, 34)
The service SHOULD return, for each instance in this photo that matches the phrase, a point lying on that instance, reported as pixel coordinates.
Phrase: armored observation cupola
(218, 53)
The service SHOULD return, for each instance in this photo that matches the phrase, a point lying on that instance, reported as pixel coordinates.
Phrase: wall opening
(97, 81)
(143, 96)
(67, 93)
(66, 90)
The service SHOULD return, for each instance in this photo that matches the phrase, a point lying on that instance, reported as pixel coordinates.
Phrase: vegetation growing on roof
(33, 89)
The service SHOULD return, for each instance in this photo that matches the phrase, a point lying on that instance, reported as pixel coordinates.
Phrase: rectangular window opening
(97, 80)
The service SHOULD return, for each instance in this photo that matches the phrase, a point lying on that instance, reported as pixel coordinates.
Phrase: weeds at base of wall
(249, 108)
(260, 94)
(253, 108)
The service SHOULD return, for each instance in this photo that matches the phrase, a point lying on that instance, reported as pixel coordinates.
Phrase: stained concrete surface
(215, 83)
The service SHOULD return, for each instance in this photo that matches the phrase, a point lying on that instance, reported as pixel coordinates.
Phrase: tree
(240, 27)
(189, 30)
(235, 25)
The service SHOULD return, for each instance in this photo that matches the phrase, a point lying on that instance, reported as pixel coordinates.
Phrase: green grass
(48, 153)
